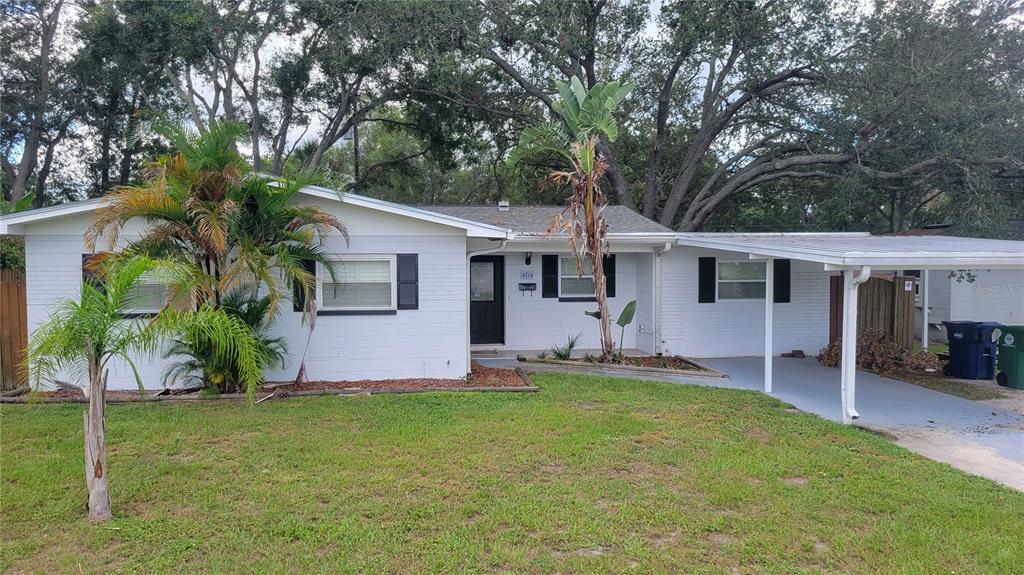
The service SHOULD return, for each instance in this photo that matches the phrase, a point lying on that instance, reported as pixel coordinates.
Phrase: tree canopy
(763, 114)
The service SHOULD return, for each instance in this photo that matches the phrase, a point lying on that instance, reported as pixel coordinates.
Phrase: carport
(855, 255)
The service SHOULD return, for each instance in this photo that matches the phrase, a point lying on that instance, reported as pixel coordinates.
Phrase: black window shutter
(706, 280)
(549, 276)
(299, 294)
(781, 282)
(609, 275)
(90, 273)
(408, 281)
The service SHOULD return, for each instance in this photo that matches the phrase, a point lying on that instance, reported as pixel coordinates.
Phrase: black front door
(487, 299)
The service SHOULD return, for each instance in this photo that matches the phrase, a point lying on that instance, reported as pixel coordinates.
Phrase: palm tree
(242, 231)
(204, 204)
(202, 365)
(82, 337)
(584, 117)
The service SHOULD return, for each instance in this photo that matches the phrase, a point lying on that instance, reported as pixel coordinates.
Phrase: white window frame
(325, 278)
(718, 280)
(573, 275)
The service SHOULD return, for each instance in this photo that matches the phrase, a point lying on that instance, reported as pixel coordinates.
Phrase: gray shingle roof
(534, 220)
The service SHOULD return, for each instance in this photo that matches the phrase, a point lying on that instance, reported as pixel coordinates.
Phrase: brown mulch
(481, 377)
(657, 361)
(665, 362)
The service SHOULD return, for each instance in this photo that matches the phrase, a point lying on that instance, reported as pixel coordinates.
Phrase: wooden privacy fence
(13, 329)
(884, 303)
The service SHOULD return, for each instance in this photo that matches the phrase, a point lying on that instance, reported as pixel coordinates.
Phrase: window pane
(147, 297)
(741, 290)
(741, 271)
(360, 284)
(481, 281)
(361, 271)
(572, 286)
(569, 267)
(357, 295)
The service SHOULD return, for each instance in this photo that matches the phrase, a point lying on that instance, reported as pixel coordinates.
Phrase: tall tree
(35, 115)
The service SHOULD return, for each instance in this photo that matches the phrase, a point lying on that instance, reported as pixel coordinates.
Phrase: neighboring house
(436, 282)
(975, 294)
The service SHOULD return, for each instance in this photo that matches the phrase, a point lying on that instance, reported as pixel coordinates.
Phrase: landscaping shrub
(564, 351)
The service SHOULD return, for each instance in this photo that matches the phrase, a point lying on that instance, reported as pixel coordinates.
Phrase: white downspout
(848, 366)
(469, 256)
(769, 308)
(656, 296)
(924, 309)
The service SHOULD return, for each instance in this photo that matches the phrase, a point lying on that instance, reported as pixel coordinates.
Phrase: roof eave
(473, 229)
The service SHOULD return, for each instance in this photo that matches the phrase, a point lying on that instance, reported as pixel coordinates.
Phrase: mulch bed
(664, 362)
(651, 363)
(482, 379)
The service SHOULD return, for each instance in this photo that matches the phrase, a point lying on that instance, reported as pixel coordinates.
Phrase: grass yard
(590, 475)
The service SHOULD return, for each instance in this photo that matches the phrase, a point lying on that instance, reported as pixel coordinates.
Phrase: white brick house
(451, 279)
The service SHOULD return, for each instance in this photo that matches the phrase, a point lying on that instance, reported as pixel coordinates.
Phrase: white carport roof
(856, 255)
(849, 250)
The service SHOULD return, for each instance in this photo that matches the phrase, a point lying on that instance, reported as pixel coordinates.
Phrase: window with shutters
(741, 280)
(360, 283)
(571, 283)
(147, 297)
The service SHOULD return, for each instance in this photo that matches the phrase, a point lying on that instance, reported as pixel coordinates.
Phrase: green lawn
(589, 475)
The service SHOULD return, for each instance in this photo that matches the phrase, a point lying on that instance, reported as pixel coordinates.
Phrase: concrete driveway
(975, 437)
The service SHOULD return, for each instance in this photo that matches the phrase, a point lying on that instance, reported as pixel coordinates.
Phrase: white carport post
(924, 309)
(852, 279)
(769, 300)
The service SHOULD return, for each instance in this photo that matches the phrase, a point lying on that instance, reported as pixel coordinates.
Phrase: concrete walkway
(972, 436)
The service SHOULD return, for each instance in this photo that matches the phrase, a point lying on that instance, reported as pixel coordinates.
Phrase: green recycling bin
(1011, 356)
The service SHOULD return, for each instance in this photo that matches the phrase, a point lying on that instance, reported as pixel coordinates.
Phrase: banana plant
(584, 117)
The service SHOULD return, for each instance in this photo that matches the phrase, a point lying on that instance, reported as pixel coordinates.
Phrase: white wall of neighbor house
(537, 323)
(993, 295)
(426, 342)
(727, 328)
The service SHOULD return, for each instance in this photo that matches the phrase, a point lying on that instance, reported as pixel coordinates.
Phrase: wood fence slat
(13, 328)
(882, 304)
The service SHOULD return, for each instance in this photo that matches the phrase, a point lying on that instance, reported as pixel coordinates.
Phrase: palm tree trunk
(96, 449)
(600, 290)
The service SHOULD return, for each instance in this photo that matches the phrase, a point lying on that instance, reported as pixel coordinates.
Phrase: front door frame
(499, 297)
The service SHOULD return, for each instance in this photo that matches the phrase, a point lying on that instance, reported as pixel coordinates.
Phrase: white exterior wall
(994, 295)
(939, 292)
(736, 327)
(53, 273)
(427, 342)
(537, 323)
(643, 322)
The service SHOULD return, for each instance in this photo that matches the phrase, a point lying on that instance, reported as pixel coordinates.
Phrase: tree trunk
(601, 291)
(96, 449)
